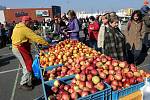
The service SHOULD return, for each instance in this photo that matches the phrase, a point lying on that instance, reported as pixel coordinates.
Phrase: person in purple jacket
(73, 25)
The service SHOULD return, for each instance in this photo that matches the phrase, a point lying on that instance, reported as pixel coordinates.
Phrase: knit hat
(145, 9)
(26, 18)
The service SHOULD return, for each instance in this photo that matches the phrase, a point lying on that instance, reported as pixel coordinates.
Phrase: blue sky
(78, 5)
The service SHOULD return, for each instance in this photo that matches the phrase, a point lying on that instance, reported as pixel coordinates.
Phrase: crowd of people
(102, 33)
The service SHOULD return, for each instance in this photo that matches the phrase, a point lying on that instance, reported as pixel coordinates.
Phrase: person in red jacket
(93, 29)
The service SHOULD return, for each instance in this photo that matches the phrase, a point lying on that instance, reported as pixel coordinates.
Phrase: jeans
(26, 77)
(93, 44)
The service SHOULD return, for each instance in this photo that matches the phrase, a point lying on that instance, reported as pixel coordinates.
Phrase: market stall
(71, 70)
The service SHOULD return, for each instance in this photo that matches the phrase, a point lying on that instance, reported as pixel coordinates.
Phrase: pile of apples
(119, 74)
(77, 58)
(80, 86)
(66, 52)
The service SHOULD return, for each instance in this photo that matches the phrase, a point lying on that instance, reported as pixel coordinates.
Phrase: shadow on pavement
(5, 61)
(143, 55)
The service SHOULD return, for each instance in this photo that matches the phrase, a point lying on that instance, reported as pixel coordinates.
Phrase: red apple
(66, 87)
(89, 77)
(84, 93)
(140, 79)
(111, 77)
(74, 95)
(93, 90)
(54, 89)
(65, 96)
(118, 77)
(122, 64)
(89, 84)
(114, 62)
(94, 72)
(114, 82)
(110, 67)
(100, 86)
(111, 72)
(102, 75)
(99, 64)
(129, 74)
(82, 77)
(104, 59)
(61, 86)
(114, 87)
(108, 63)
(81, 84)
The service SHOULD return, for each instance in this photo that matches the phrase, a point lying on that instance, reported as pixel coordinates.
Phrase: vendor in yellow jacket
(21, 36)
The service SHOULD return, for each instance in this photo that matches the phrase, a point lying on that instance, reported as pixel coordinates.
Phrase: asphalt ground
(10, 75)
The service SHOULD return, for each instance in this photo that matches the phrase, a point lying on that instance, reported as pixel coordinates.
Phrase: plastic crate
(134, 96)
(100, 95)
(126, 91)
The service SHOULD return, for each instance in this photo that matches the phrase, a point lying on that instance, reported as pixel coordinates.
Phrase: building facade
(35, 13)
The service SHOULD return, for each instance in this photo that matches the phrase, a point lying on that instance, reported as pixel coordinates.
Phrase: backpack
(129, 26)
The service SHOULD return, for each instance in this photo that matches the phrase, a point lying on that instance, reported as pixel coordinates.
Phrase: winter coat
(134, 34)
(114, 43)
(93, 29)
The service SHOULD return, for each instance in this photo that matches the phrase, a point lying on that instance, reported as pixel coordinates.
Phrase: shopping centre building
(39, 14)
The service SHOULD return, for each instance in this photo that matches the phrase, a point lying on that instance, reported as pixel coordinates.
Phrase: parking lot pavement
(8, 72)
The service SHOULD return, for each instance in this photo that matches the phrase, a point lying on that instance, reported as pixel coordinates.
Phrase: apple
(89, 84)
(94, 72)
(118, 77)
(114, 63)
(89, 77)
(95, 79)
(84, 93)
(107, 80)
(105, 66)
(103, 59)
(102, 75)
(106, 72)
(136, 74)
(54, 89)
(56, 83)
(81, 84)
(129, 74)
(122, 64)
(125, 70)
(99, 64)
(86, 89)
(114, 87)
(82, 77)
(111, 72)
(74, 95)
(61, 86)
(111, 77)
(100, 86)
(66, 87)
(65, 96)
(76, 88)
(114, 82)
(71, 90)
(108, 63)
(110, 67)
(93, 90)
(140, 79)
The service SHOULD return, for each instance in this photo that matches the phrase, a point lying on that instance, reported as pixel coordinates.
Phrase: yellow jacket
(22, 34)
